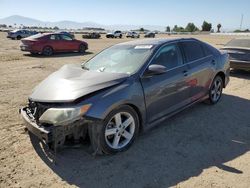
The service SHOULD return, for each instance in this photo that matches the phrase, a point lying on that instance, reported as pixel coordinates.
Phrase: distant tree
(191, 27)
(142, 29)
(178, 29)
(3, 25)
(206, 26)
(55, 28)
(168, 29)
(218, 28)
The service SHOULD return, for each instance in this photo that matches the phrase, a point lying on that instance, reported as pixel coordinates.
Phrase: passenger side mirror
(155, 70)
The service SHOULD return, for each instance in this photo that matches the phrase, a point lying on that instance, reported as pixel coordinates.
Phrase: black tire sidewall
(45, 53)
(82, 48)
(104, 145)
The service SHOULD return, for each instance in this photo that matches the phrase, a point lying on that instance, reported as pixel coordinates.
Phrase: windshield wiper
(84, 67)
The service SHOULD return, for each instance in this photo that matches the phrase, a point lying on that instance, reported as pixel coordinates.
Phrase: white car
(114, 34)
(133, 34)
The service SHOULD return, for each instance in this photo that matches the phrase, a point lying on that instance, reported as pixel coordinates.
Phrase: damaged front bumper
(45, 134)
(55, 135)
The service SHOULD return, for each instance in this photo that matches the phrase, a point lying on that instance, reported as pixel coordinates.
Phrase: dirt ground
(203, 146)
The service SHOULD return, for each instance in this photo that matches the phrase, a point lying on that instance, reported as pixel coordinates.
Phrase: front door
(167, 92)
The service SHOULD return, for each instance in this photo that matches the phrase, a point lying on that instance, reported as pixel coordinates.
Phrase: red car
(49, 43)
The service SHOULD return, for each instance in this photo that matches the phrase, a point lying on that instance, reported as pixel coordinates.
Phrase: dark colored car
(239, 53)
(149, 35)
(124, 89)
(49, 43)
(20, 33)
(93, 35)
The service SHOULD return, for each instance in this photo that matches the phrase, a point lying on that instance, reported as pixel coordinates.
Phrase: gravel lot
(203, 146)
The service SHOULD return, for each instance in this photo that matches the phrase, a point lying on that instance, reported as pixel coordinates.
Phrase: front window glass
(120, 59)
(168, 56)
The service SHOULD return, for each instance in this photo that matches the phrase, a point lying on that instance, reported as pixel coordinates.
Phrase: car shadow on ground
(240, 74)
(176, 150)
(56, 55)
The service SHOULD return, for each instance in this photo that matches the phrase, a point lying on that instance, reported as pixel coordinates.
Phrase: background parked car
(239, 52)
(114, 34)
(49, 43)
(133, 34)
(20, 33)
(149, 35)
(93, 35)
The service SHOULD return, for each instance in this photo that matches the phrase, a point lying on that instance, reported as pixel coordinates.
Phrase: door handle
(185, 72)
(213, 61)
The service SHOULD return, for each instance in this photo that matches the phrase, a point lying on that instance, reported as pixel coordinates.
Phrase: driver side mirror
(155, 70)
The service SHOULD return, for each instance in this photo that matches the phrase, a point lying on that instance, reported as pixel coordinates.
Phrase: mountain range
(17, 20)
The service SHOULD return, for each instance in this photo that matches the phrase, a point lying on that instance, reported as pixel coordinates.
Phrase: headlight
(61, 116)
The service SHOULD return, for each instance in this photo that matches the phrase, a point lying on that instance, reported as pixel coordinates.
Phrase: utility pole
(241, 21)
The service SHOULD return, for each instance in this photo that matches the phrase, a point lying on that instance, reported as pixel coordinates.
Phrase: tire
(215, 90)
(114, 134)
(120, 36)
(82, 49)
(18, 37)
(47, 51)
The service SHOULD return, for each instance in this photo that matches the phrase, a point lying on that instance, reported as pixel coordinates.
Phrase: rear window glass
(239, 43)
(193, 50)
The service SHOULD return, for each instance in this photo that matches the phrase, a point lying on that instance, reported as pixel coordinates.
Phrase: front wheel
(116, 133)
(215, 90)
(82, 49)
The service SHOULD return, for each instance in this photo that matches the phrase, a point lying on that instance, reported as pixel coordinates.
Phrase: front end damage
(53, 135)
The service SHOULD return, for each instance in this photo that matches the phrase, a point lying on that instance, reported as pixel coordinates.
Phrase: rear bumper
(236, 64)
(43, 133)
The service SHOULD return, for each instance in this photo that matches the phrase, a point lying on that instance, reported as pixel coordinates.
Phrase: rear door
(55, 42)
(69, 44)
(169, 91)
(201, 64)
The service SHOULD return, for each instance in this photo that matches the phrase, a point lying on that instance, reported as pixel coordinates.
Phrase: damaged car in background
(123, 90)
(239, 53)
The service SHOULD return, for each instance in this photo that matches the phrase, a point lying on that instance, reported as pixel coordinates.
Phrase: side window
(168, 56)
(55, 37)
(52, 37)
(65, 37)
(207, 50)
(193, 50)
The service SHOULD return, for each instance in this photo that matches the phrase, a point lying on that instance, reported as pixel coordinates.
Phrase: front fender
(129, 93)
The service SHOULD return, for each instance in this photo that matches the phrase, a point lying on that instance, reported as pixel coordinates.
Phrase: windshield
(120, 59)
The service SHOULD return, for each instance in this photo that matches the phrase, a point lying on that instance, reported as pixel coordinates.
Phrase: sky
(134, 12)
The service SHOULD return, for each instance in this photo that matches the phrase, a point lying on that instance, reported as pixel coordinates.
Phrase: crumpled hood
(72, 82)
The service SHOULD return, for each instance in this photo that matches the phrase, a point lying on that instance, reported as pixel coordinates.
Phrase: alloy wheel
(120, 130)
(216, 90)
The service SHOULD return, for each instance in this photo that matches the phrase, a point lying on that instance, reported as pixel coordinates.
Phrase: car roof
(155, 42)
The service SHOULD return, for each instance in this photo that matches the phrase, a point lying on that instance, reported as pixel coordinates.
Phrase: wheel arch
(139, 113)
(223, 76)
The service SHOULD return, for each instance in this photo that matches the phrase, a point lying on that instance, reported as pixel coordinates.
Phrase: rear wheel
(116, 133)
(47, 51)
(82, 48)
(18, 37)
(215, 90)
